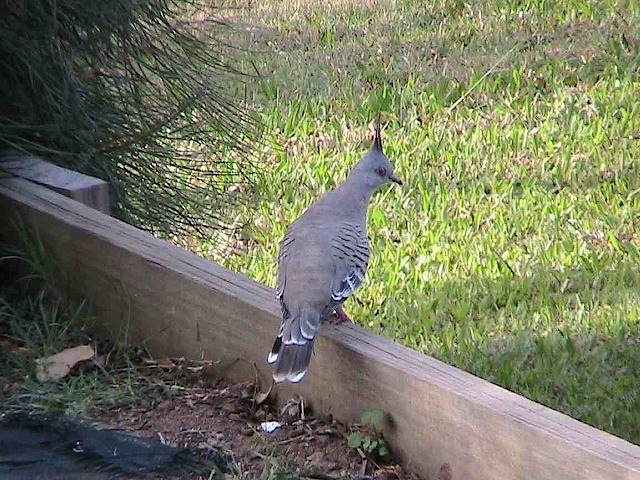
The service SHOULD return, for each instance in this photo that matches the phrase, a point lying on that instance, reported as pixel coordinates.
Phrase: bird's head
(374, 169)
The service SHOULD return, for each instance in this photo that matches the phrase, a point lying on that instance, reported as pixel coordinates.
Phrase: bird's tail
(291, 351)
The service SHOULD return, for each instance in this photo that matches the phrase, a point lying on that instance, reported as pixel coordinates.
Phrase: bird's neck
(356, 194)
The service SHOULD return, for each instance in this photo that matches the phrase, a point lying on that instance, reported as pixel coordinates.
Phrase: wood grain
(443, 422)
(82, 188)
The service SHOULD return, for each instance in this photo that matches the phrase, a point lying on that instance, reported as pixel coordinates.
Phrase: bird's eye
(381, 171)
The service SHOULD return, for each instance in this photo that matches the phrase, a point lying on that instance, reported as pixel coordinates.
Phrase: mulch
(205, 416)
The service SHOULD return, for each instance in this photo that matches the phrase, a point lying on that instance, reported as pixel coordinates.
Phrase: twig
(291, 439)
(481, 79)
(503, 261)
(473, 87)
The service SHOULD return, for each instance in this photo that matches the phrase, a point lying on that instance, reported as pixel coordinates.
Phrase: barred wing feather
(350, 255)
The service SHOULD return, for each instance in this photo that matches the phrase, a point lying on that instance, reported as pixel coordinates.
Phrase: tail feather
(275, 350)
(293, 361)
(291, 351)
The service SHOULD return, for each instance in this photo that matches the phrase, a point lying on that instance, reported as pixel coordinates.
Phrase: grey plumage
(323, 259)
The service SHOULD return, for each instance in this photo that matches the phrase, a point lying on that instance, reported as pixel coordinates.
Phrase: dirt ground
(201, 416)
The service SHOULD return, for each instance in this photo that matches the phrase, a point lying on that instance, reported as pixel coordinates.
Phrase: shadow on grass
(567, 339)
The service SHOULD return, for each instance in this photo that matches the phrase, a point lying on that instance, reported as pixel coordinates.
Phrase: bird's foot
(339, 316)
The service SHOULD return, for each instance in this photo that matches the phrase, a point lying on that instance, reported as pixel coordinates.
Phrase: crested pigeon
(322, 261)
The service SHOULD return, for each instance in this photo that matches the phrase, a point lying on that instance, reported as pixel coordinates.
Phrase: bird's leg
(340, 316)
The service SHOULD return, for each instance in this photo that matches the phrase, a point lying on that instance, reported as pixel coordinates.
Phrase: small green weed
(371, 443)
(275, 469)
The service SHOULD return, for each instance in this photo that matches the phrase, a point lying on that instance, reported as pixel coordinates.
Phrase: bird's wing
(283, 260)
(350, 256)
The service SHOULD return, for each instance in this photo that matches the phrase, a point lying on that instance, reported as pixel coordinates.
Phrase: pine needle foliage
(136, 92)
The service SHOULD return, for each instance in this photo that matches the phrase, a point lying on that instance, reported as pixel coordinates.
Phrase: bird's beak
(395, 179)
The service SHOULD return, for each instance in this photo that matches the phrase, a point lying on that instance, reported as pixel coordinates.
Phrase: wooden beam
(443, 422)
(91, 191)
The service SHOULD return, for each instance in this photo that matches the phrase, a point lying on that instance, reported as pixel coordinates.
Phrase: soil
(201, 416)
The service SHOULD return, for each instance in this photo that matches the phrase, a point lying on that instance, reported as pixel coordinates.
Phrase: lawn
(512, 251)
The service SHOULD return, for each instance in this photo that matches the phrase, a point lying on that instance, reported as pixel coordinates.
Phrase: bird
(322, 260)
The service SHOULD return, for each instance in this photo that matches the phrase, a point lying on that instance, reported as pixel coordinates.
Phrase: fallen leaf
(294, 408)
(260, 397)
(59, 365)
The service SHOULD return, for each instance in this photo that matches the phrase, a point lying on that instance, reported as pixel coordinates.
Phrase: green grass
(512, 252)
(40, 325)
(36, 321)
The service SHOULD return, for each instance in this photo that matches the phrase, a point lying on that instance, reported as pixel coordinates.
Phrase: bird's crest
(377, 139)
